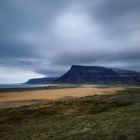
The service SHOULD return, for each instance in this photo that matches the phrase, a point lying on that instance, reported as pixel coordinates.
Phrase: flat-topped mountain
(92, 75)
(99, 75)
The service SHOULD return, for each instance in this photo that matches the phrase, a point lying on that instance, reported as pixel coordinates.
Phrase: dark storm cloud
(16, 50)
(47, 36)
(115, 15)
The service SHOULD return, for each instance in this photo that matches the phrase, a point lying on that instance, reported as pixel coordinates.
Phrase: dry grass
(27, 97)
(104, 117)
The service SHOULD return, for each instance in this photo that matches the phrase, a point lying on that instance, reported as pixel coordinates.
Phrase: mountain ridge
(79, 74)
(45, 80)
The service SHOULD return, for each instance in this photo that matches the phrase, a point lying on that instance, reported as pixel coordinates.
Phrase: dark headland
(92, 75)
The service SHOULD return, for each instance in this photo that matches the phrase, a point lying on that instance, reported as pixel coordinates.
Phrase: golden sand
(53, 94)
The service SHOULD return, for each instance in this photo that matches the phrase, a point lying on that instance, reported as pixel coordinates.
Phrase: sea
(26, 86)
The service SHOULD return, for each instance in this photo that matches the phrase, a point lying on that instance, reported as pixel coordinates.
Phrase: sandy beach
(27, 97)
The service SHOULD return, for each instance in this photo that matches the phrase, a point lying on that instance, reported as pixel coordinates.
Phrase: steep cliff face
(99, 75)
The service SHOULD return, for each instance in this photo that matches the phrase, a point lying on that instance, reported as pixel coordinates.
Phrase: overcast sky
(45, 37)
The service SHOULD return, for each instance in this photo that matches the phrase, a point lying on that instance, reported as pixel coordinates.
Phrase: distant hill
(45, 80)
(99, 75)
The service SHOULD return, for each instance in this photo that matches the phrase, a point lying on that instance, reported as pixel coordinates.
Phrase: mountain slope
(45, 80)
(98, 75)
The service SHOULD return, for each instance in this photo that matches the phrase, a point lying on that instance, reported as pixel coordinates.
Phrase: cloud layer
(46, 37)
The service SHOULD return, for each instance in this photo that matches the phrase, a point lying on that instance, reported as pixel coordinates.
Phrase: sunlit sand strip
(54, 94)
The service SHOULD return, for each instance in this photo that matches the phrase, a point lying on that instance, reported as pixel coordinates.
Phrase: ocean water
(9, 86)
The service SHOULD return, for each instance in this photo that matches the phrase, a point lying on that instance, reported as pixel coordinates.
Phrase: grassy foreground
(106, 117)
